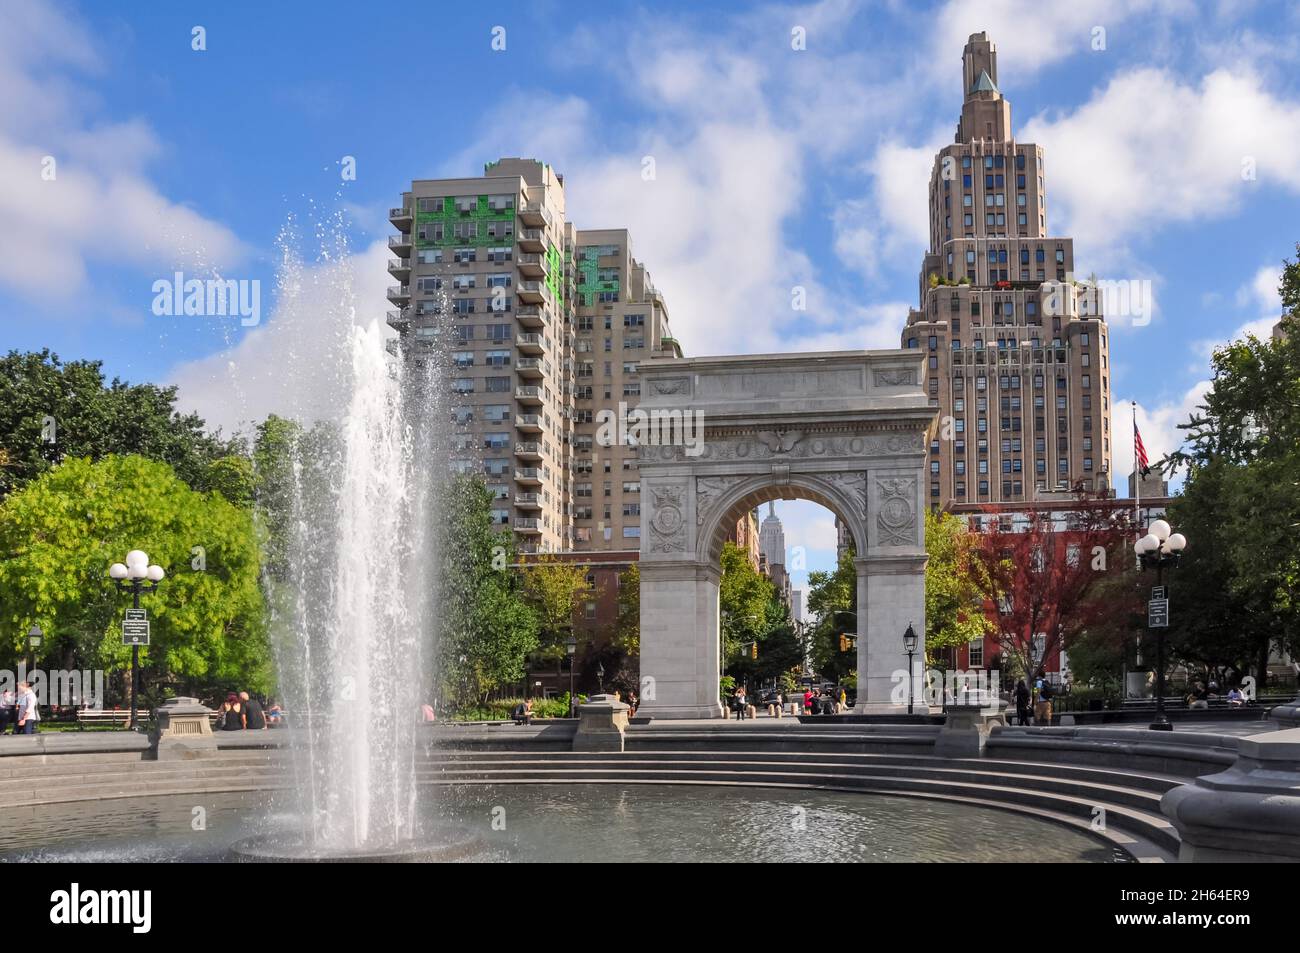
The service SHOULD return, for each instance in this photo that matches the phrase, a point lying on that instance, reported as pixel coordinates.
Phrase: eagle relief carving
(780, 441)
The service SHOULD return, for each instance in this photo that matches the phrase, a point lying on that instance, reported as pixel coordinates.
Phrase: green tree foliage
(93, 419)
(488, 629)
(832, 600)
(954, 606)
(743, 597)
(553, 588)
(628, 632)
(1235, 593)
(61, 532)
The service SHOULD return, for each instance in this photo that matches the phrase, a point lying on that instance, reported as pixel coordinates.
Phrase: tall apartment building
(1018, 352)
(550, 324)
(619, 321)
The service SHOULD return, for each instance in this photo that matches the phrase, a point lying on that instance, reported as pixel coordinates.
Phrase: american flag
(1139, 451)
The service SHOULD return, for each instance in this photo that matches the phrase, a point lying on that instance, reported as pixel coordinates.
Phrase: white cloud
(1148, 151)
(100, 207)
(291, 365)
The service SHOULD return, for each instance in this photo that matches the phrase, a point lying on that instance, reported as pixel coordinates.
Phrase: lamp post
(571, 650)
(909, 646)
(600, 676)
(1158, 549)
(131, 577)
(34, 636)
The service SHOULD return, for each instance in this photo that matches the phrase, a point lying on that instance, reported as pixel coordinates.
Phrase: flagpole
(1137, 481)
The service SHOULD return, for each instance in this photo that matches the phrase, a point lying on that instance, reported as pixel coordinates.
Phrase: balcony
(526, 524)
(528, 423)
(531, 316)
(400, 244)
(528, 476)
(532, 367)
(533, 266)
(402, 218)
(530, 343)
(532, 240)
(533, 292)
(399, 294)
(535, 215)
(400, 319)
(528, 450)
(400, 268)
(528, 501)
(530, 395)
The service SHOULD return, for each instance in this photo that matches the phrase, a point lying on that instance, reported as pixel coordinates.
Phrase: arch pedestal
(847, 430)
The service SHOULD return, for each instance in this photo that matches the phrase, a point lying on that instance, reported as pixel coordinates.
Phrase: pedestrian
(739, 703)
(808, 697)
(1022, 703)
(254, 719)
(231, 715)
(28, 712)
(631, 704)
(8, 711)
(1043, 707)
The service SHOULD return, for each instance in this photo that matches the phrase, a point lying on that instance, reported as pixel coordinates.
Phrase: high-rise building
(620, 321)
(1018, 350)
(549, 324)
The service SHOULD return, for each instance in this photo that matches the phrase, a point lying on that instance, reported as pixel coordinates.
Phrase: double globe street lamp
(1159, 549)
(136, 576)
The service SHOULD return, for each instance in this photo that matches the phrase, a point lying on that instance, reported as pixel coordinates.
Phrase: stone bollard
(1249, 813)
(966, 729)
(182, 731)
(601, 723)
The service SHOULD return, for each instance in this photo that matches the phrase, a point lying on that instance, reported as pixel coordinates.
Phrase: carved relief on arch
(708, 489)
(896, 511)
(668, 518)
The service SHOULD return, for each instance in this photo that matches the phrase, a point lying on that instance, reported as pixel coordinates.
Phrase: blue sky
(775, 167)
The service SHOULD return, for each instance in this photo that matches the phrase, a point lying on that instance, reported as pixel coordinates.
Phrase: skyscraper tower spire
(1018, 359)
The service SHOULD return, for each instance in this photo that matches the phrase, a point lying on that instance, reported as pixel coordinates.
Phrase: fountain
(352, 580)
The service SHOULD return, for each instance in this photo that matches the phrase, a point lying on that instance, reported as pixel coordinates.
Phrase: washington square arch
(848, 430)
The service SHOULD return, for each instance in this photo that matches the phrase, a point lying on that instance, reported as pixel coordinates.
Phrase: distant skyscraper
(771, 538)
(1019, 364)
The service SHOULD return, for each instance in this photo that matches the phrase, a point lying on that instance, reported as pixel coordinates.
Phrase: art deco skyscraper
(1018, 353)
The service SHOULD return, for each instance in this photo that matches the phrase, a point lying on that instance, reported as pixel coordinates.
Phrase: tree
(832, 599)
(954, 609)
(60, 533)
(41, 397)
(552, 588)
(628, 628)
(488, 629)
(1240, 507)
(743, 595)
(1044, 580)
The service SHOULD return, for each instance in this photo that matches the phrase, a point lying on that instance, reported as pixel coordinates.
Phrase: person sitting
(523, 713)
(1235, 698)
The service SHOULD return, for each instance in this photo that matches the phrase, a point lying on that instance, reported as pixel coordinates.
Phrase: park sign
(135, 628)
(1158, 614)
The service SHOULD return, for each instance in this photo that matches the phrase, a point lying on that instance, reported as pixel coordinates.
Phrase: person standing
(1022, 703)
(8, 712)
(28, 712)
(254, 719)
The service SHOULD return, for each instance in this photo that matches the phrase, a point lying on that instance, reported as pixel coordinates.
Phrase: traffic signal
(753, 650)
(844, 642)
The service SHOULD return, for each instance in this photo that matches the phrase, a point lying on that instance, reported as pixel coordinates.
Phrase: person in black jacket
(254, 719)
(1022, 703)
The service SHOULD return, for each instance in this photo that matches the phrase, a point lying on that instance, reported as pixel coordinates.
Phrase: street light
(130, 577)
(600, 676)
(1159, 548)
(909, 646)
(571, 650)
(34, 635)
